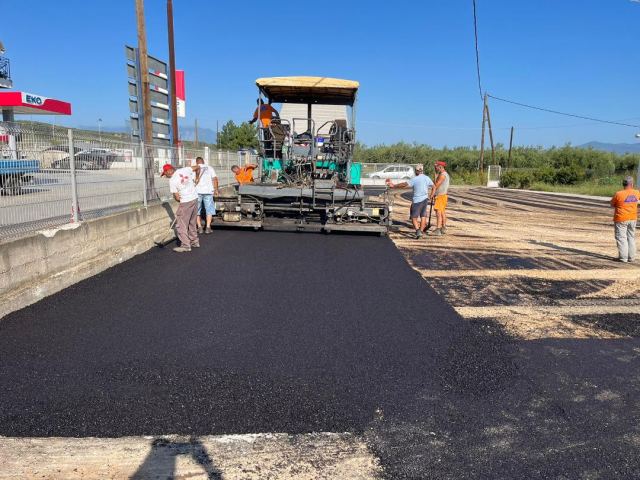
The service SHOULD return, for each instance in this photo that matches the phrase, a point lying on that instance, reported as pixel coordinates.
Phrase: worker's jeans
(626, 239)
(186, 226)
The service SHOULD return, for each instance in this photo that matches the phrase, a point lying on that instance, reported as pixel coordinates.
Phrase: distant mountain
(613, 147)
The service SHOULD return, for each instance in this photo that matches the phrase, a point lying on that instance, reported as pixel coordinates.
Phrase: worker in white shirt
(182, 184)
(207, 186)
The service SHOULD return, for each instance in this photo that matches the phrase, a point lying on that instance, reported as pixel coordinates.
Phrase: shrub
(544, 175)
(509, 179)
(516, 179)
(568, 175)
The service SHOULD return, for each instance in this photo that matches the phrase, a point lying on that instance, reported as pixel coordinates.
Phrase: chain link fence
(50, 177)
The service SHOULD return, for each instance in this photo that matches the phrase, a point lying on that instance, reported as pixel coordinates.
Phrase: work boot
(437, 232)
(182, 249)
(200, 231)
(443, 230)
(418, 234)
(208, 230)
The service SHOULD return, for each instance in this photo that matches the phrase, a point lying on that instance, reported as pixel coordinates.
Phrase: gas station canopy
(23, 103)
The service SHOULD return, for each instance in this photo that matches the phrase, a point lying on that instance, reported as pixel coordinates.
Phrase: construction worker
(439, 198)
(418, 211)
(267, 113)
(244, 174)
(207, 186)
(182, 184)
(625, 217)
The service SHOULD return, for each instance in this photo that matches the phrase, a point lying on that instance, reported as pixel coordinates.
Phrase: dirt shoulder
(541, 265)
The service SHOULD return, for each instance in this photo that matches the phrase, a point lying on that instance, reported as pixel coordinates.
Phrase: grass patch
(584, 188)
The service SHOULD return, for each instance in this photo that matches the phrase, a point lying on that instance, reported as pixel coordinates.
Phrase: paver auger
(307, 178)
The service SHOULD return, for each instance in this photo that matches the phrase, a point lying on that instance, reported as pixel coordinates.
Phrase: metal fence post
(145, 200)
(74, 186)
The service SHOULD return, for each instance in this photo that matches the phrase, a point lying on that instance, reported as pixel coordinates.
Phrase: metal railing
(43, 185)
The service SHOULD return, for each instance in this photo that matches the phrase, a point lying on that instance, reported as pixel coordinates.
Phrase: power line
(548, 110)
(533, 107)
(475, 29)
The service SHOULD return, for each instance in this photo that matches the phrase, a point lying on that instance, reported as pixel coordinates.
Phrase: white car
(395, 172)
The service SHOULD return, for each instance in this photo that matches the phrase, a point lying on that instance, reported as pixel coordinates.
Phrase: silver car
(394, 172)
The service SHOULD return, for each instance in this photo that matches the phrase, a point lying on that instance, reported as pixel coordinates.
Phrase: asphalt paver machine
(306, 180)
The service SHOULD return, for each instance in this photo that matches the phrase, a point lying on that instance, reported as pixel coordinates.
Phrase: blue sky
(415, 61)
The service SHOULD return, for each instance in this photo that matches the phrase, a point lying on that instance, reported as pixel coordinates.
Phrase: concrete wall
(39, 265)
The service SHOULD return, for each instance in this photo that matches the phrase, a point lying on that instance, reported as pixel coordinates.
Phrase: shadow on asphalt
(161, 460)
(553, 408)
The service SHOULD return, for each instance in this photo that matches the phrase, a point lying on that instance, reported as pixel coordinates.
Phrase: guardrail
(53, 177)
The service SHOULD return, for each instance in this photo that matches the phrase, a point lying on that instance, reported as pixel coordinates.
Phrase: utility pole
(510, 147)
(172, 73)
(144, 73)
(196, 132)
(484, 121)
(217, 135)
(146, 101)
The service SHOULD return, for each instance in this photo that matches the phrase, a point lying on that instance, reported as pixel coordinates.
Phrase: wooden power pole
(510, 147)
(144, 73)
(484, 121)
(147, 125)
(172, 73)
(196, 133)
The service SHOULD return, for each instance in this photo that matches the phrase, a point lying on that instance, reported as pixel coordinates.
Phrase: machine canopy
(309, 90)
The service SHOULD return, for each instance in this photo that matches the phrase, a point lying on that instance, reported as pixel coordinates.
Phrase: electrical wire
(524, 105)
(475, 30)
(548, 110)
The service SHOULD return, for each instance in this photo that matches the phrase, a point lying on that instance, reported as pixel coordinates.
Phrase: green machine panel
(355, 173)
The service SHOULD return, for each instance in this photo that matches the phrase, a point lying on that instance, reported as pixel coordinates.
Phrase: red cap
(166, 168)
(441, 164)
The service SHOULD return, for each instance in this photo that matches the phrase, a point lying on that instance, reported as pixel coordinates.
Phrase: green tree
(235, 137)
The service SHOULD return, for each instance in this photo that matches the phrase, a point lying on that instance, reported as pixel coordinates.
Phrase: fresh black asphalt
(282, 332)
(254, 332)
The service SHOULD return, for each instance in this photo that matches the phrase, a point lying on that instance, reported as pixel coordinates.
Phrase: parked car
(395, 172)
(53, 154)
(94, 159)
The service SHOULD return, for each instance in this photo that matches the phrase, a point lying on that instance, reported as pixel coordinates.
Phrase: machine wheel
(406, 178)
(375, 177)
